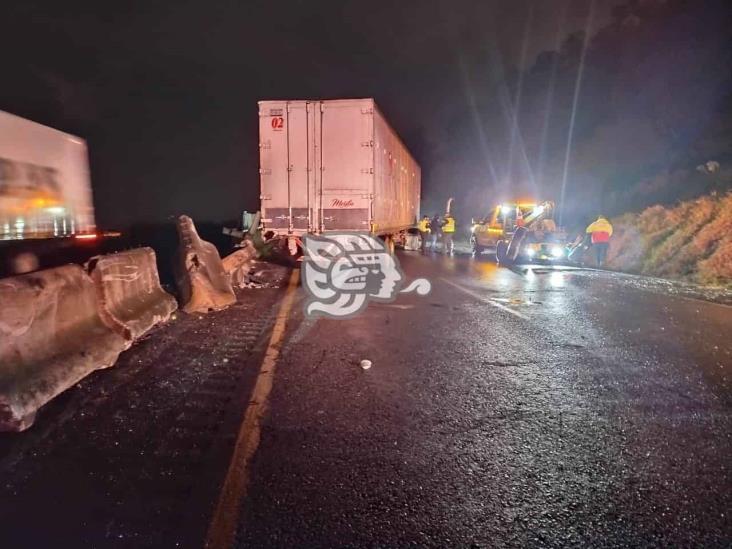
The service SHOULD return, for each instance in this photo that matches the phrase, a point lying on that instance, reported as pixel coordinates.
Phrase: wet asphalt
(526, 407)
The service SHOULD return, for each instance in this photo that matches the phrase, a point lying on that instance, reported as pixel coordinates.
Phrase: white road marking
(225, 519)
(484, 299)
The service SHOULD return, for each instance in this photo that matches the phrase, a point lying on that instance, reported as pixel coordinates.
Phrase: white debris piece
(365, 364)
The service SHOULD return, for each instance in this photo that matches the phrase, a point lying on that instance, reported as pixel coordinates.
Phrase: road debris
(238, 264)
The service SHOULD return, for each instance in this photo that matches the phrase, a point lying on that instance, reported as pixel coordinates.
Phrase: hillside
(691, 241)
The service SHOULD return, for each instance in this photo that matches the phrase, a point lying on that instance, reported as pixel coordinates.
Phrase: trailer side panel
(397, 181)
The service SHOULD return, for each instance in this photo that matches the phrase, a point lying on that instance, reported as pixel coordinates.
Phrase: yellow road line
(484, 299)
(223, 525)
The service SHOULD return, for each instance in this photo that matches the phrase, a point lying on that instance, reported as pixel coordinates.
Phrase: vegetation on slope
(690, 241)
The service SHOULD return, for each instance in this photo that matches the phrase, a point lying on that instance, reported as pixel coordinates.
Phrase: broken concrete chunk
(238, 264)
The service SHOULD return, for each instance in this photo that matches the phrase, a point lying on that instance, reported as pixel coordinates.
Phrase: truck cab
(520, 230)
(499, 225)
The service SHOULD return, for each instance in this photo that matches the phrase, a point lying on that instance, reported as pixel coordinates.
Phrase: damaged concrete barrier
(51, 336)
(202, 281)
(238, 264)
(131, 300)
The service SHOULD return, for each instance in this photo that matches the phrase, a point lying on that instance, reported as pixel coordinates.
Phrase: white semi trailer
(45, 193)
(336, 165)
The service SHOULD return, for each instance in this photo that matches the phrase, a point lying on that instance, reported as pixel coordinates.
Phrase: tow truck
(521, 231)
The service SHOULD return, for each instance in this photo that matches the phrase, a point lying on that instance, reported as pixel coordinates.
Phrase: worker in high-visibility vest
(600, 232)
(448, 231)
(424, 231)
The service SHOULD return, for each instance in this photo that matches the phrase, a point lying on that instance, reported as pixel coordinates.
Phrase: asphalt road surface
(526, 407)
(506, 408)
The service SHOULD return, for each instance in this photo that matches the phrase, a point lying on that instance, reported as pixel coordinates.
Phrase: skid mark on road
(226, 515)
(484, 299)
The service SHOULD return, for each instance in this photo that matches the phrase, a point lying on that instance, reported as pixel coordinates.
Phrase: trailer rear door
(346, 140)
(273, 165)
(300, 139)
(286, 160)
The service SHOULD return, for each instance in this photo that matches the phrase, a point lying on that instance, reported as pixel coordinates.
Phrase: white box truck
(45, 193)
(334, 165)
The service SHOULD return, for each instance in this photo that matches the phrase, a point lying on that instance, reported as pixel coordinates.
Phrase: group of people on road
(435, 229)
(432, 229)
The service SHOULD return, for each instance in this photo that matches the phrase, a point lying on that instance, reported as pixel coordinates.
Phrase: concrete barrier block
(202, 281)
(237, 264)
(131, 300)
(51, 336)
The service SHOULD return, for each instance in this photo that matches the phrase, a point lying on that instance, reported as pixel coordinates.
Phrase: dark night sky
(166, 92)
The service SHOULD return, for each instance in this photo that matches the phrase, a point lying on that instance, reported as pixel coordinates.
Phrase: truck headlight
(531, 252)
(558, 251)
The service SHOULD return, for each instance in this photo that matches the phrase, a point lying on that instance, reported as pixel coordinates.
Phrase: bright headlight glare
(505, 210)
(531, 252)
(557, 251)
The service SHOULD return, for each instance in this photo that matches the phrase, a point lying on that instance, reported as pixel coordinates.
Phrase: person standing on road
(600, 232)
(424, 231)
(448, 231)
(435, 227)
